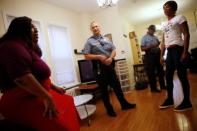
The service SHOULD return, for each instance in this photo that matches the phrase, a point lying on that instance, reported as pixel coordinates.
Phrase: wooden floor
(147, 116)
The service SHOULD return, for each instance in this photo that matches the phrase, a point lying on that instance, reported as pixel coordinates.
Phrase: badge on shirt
(96, 43)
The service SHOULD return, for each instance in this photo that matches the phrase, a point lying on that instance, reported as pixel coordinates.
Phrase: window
(9, 18)
(61, 56)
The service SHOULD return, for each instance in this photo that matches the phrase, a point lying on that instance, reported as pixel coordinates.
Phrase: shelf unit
(141, 80)
(139, 73)
(137, 57)
(122, 72)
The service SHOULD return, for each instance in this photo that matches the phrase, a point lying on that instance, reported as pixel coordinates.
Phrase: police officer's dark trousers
(106, 76)
(153, 69)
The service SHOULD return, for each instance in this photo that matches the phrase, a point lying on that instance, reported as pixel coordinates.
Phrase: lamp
(107, 3)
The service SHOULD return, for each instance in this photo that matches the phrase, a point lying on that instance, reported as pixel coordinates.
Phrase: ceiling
(136, 11)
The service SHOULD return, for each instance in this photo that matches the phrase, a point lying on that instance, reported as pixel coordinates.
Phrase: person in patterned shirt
(176, 40)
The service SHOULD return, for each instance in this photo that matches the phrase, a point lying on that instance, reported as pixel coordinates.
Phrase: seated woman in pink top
(29, 97)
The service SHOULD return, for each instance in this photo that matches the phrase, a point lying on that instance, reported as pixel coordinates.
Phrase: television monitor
(86, 71)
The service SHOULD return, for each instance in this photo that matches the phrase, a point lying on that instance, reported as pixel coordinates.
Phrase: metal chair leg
(87, 115)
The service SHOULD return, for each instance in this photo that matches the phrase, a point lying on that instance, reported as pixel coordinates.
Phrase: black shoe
(128, 106)
(112, 113)
(183, 107)
(167, 103)
(155, 90)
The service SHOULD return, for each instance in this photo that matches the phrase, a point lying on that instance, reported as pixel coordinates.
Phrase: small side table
(90, 89)
(83, 109)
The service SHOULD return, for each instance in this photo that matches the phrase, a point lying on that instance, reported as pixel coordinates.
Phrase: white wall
(127, 27)
(2, 27)
(192, 23)
(85, 20)
(46, 14)
(112, 22)
(142, 28)
(77, 25)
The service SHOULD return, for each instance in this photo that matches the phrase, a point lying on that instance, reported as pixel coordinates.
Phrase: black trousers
(106, 76)
(173, 63)
(153, 69)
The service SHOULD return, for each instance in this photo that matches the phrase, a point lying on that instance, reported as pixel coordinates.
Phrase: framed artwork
(109, 36)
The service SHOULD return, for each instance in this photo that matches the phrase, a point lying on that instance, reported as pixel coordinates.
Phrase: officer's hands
(102, 58)
(105, 60)
(108, 61)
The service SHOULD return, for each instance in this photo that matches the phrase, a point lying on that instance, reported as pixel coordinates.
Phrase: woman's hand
(29, 83)
(184, 57)
(50, 110)
(58, 89)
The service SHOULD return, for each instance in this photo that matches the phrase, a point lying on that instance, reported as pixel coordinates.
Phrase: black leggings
(173, 63)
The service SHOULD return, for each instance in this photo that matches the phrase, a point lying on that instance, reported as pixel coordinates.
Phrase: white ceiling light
(107, 3)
